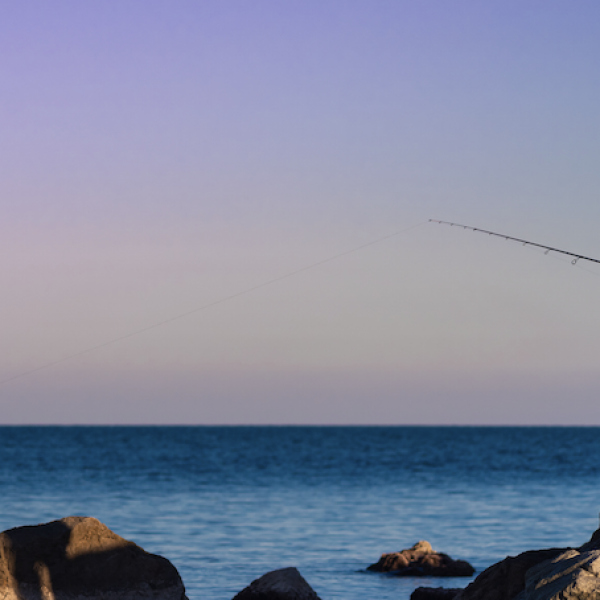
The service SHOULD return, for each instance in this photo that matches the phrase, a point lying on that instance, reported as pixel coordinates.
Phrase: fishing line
(209, 305)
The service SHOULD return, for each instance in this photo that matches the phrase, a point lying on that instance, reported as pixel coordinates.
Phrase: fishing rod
(547, 249)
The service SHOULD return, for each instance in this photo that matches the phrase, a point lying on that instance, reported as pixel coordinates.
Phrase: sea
(227, 504)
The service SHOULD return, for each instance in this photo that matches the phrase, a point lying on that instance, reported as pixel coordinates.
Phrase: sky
(165, 158)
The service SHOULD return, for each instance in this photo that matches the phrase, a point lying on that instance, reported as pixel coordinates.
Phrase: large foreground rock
(422, 560)
(79, 558)
(508, 579)
(283, 584)
(505, 579)
(572, 575)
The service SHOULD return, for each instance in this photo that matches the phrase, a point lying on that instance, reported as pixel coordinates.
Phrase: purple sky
(160, 156)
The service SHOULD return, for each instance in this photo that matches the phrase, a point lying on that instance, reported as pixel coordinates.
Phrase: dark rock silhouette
(80, 557)
(283, 584)
(421, 560)
(439, 593)
(593, 544)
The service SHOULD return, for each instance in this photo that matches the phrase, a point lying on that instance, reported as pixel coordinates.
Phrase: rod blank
(576, 257)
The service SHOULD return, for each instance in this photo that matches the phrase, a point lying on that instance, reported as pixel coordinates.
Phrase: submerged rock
(283, 584)
(439, 593)
(79, 558)
(422, 560)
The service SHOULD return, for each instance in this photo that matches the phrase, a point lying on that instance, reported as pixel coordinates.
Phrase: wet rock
(505, 579)
(439, 593)
(283, 584)
(572, 575)
(422, 560)
(79, 558)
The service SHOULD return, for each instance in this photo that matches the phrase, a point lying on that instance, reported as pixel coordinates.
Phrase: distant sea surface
(228, 504)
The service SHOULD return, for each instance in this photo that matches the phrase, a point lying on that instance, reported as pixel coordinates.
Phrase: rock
(283, 584)
(593, 544)
(79, 558)
(422, 560)
(439, 593)
(505, 579)
(572, 575)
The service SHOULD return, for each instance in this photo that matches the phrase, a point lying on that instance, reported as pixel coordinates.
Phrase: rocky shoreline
(80, 558)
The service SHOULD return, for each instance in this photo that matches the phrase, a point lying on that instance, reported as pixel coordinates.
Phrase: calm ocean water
(227, 504)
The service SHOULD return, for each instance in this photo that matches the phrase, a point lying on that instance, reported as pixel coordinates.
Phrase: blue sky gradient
(157, 157)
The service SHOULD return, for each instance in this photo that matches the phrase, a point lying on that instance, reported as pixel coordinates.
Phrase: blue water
(227, 504)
